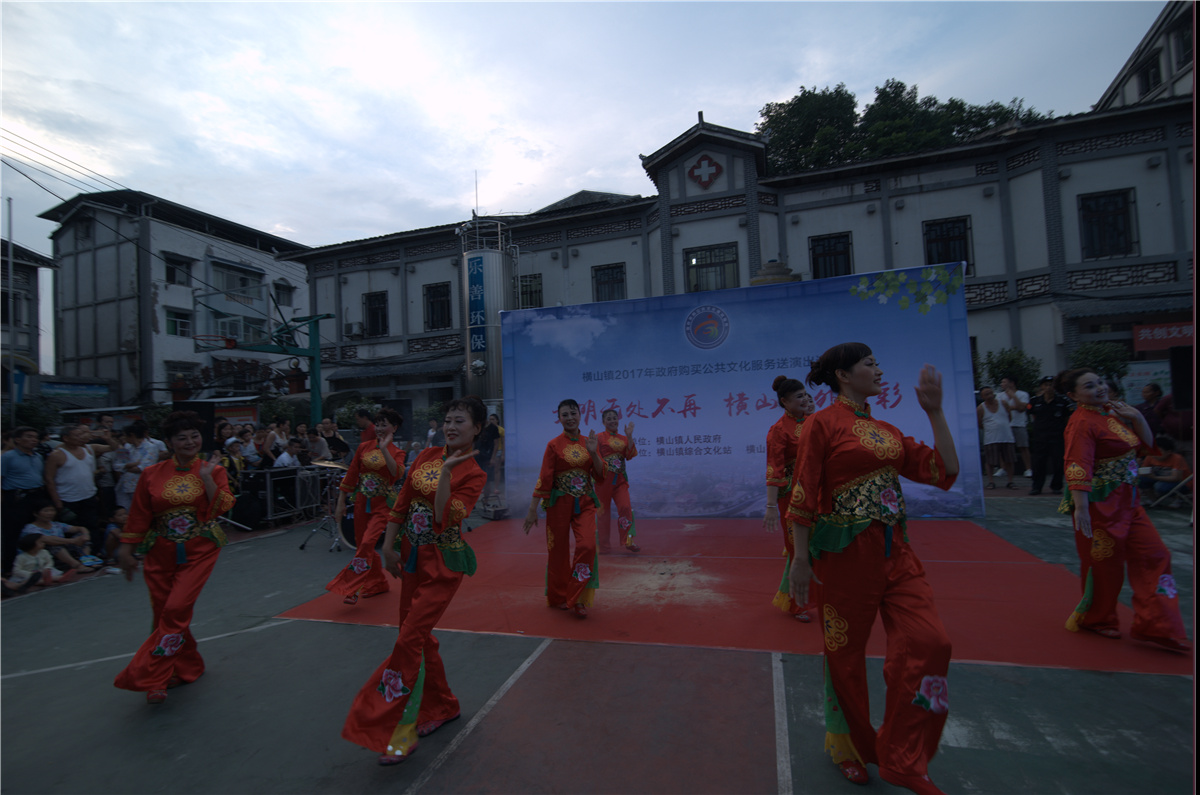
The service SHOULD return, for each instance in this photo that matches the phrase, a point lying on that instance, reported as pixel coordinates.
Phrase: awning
(412, 365)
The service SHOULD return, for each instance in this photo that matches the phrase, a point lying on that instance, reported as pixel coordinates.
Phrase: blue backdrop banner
(693, 372)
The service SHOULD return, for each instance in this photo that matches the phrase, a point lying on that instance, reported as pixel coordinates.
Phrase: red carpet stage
(709, 583)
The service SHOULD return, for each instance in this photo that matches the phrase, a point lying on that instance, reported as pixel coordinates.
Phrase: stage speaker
(1183, 368)
(206, 411)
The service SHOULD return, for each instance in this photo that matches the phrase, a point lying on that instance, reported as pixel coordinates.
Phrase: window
(375, 314)
(238, 285)
(179, 271)
(531, 291)
(1149, 75)
(437, 306)
(712, 267)
(242, 329)
(285, 294)
(1106, 225)
(949, 240)
(83, 229)
(1183, 46)
(179, 324)
(830, 255)
(180, 371)
(608, 282)
(18, 318)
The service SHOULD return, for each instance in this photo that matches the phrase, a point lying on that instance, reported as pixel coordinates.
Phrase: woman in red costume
(172, 521)
(615, 450)
(378, 464)
(1112, 530)
(564, 487)
(783, 444)
(408, 696)
(848, 512)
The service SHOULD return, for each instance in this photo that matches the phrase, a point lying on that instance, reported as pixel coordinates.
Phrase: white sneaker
(1028, 473)
(998, 472)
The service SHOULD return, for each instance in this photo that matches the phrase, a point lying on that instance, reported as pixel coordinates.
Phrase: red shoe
(1170, 644)
(579, 610)
(918, 784)
(430, 726)
(561, 606)
(854, 772)
(632, 548)
(352, 599)
(803, 617)
(387, 760)
(156, 696)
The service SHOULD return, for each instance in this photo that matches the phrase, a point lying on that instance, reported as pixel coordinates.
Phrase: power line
(62, 157)
(33, 153)
(66, 178)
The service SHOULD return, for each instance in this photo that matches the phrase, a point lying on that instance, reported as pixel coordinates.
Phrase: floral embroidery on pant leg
(934, 695)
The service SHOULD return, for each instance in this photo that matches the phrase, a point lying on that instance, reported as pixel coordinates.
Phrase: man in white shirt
(1017, 403)
(290, 457)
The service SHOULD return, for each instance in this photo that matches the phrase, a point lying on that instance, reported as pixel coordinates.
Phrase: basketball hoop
(209, 342)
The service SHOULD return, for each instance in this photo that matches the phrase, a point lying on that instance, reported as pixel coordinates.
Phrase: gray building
(20, 332)
(140, 278)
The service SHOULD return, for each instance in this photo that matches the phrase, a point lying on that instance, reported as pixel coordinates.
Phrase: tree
(38, 412)
(345, 415)
(814, 129)
(1012, 363)
(821, 129)
(1108, 359)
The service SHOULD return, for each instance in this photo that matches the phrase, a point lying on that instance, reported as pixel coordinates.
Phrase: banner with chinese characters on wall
(693, 372)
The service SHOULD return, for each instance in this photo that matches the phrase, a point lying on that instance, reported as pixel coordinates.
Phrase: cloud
(573, 332)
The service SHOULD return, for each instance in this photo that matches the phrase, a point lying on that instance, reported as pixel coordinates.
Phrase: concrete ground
(539, 715)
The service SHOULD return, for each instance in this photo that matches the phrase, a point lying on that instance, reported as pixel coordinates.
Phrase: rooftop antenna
(477, 191)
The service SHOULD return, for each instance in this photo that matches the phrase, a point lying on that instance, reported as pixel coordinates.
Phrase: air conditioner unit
(352, 329)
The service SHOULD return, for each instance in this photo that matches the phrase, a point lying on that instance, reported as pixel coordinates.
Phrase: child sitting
(64, 541)
(34, 566)
(112, 533)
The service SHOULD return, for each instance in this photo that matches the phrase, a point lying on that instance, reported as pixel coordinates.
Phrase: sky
(328, 122)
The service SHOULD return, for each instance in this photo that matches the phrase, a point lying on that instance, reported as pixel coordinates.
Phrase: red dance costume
(371, 483)
(409, 688)
(783, 446)
(565, 488)
(1100, 459)
(173, 523)
(614, 450)
(847, 491)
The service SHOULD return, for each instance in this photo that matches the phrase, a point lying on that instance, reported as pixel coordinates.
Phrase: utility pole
(280, 344)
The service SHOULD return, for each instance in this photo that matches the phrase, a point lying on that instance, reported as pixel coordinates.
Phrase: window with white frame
(608, 282)
(179, 323)
(285, 294)
(711, 267)
(178, 270)
(238, 285)
(1107, 224)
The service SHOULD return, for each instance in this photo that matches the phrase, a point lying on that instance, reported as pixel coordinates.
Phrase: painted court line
(130, 654)
(478, 717)
(783, 751)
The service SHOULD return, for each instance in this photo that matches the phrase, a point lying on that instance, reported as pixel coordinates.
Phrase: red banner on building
(1160, 336)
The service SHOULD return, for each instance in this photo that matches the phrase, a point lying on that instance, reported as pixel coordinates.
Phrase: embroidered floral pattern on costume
(616, 464)
(182, 489)
(883, 444)
(419, 525)
(168, 645)
(1076, 474)
(549, 539)
(623, 523)
(180, 524)
(425, 479)
(1166, 586)
(1122, 430)
(1121, 469)
(574, 482)
(391, 685)
(374, 459)
(576, 455)
(835, 629)
(1103, 545)
(456, 511)
(583, 572)
(616, 444)
(876, 495)
(934, 695)
(359, 565)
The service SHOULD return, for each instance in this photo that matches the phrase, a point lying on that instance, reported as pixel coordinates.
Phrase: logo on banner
(707, 326)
